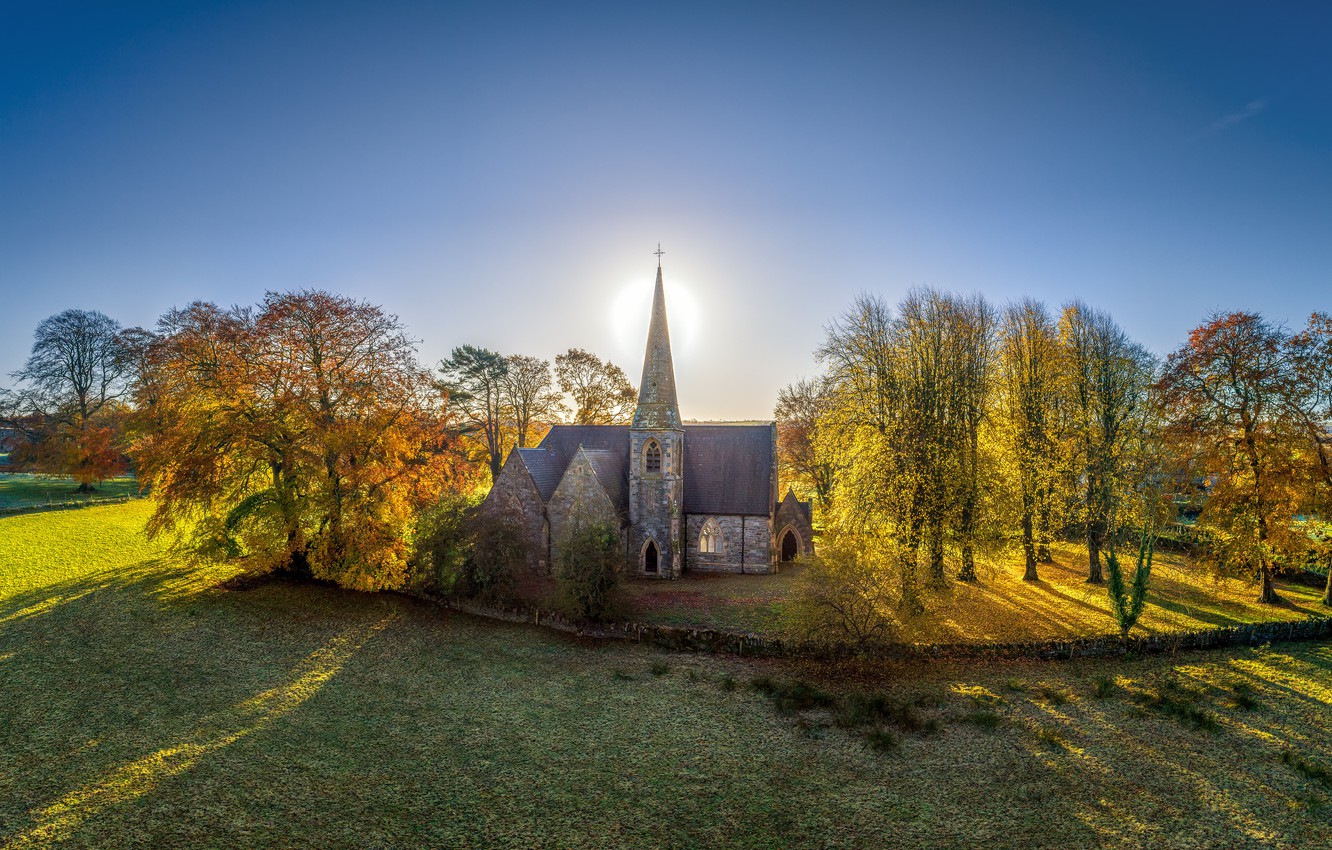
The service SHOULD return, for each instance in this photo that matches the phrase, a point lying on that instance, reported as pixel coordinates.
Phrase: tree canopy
(300, 435)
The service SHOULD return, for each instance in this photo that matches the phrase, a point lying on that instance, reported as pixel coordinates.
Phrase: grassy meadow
(21, 490)
(1000, 607)
(143, 704)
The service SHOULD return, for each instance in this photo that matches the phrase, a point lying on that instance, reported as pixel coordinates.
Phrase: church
(685, 497)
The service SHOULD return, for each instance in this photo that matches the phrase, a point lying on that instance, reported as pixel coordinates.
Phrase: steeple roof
(657, 406)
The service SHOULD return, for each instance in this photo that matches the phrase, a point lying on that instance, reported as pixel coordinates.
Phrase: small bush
(792, 696)
(1014, 685)
(881, 740)
(1243, 696)
(727, 682)
(660, 668)
(984, 719)
(1103, 687)
(1180, 702)
(1054, 696)
(621, 676)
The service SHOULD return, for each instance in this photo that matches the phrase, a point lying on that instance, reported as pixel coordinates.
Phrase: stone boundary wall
(724, 642)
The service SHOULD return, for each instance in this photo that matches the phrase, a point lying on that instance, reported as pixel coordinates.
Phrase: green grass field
(20, 490)
(144, 705)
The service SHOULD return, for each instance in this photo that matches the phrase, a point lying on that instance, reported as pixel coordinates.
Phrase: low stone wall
(724, 642)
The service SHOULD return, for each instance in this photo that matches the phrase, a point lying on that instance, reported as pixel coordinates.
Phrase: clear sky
(499, 173)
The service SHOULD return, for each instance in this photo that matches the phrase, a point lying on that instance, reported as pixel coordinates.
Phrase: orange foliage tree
(302, 435)
(1226, 394)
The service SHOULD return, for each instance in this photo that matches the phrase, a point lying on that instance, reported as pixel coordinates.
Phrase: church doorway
(790, 546)
(650, 557)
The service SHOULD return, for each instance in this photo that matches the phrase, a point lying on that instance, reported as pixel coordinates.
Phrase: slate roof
(727, 468)
(548, 461)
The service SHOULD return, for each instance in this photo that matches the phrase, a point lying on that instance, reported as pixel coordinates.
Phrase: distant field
(23, 490)
(1000, 607)
(142, 705)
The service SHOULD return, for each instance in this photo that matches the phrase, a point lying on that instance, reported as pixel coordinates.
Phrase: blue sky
(500, 174)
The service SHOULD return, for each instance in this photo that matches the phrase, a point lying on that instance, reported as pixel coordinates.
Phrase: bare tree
(66, 415)
(529, 396)
(77, 366)
(601, 392)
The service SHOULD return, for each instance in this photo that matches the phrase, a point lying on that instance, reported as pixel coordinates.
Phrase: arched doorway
(650, 557)
(790, 546)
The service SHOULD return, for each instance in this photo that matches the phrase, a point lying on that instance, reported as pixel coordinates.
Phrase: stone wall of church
(579, 498)
(514, 496)
(746, 544)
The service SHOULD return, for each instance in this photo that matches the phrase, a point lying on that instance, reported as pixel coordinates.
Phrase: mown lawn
(20, 490)
(1000, 607)
(141, 704)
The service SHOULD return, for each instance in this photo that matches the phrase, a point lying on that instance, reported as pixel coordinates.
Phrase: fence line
(67, 504)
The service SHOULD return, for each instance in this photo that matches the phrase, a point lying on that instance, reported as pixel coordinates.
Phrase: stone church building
(684, 497)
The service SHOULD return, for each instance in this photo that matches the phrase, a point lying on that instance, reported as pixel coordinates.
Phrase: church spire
(657, 407)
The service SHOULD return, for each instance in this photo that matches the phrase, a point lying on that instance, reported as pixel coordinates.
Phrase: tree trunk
(1269, 595)
(1029, 546)
(936, 550)
(1327, 591)
(1043, 538)
(968, 571)
(911, 603)
(1094, 556)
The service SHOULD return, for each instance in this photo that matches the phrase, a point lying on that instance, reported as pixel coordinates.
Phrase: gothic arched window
(710, 538)
(652, 457)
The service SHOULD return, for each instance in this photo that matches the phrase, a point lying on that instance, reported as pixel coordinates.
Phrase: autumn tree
(1311, 406)
(877, 502)
(528, 397)
(68, 410)
(301, 435)
(1226, 393)
(803, 457)
(973, 329)
(600, 391)
(1107, 378)
(1030, 386)
(474, 379)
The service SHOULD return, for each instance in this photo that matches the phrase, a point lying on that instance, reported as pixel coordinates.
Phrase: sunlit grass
(1001, 607)
(22, 490)
(143, 705)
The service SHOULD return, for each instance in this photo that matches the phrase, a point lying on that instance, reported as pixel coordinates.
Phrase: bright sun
(629, 313)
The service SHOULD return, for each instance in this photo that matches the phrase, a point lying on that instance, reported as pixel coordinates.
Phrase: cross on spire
(659, 252)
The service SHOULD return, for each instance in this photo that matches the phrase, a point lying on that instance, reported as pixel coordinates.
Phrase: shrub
(1103, 686)
(842, 597)
(497, 550)
(589, 571)
(441, 545)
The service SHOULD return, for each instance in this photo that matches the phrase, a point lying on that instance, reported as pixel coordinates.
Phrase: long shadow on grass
(134, 778)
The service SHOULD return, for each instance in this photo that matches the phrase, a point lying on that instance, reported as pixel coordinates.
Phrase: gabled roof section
(789, 502)
(657, 405)
(607, 447)
(728, 469)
